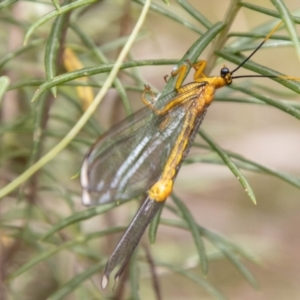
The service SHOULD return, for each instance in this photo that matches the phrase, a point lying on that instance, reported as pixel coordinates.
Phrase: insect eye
(224, 72)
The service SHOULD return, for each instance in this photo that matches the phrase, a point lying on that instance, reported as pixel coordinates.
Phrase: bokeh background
(217, 201)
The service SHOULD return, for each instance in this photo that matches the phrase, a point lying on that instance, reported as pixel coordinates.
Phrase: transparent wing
(129, 158)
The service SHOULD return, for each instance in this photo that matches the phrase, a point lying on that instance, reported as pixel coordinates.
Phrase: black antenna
(259, 46)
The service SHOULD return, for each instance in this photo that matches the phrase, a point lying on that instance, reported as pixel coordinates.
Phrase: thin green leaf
(266, 11)
(134, 277)
(53, 14)
(187, 216)
(153, 227)
(195, 13)
(26, 83)
(56, 4)
(4, 83)
(76, 282)
(216, 239)
(243, 163)
(13, 54)
(169, 14)
(120, 42)
(240, 267)
(6, 3)
(219, 241)
(276, 103)
(267, 45)
(80, 216)
(38, 128)
(295, 181)
(289, 23)
(46, 254)
(208, 287)
(248, 189)
(53, 46)
(256, 35)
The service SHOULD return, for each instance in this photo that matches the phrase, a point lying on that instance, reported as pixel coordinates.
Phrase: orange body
(202, 97)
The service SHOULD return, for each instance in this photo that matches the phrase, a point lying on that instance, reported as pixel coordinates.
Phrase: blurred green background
(217, 201)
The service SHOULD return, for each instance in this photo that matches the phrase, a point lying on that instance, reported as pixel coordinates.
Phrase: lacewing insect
(143, 153)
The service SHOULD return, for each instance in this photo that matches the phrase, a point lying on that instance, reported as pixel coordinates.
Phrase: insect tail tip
(104, 281)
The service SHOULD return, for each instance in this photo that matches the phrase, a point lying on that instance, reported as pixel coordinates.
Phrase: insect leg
(199, 68)
(181, 72)
(147, 89)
